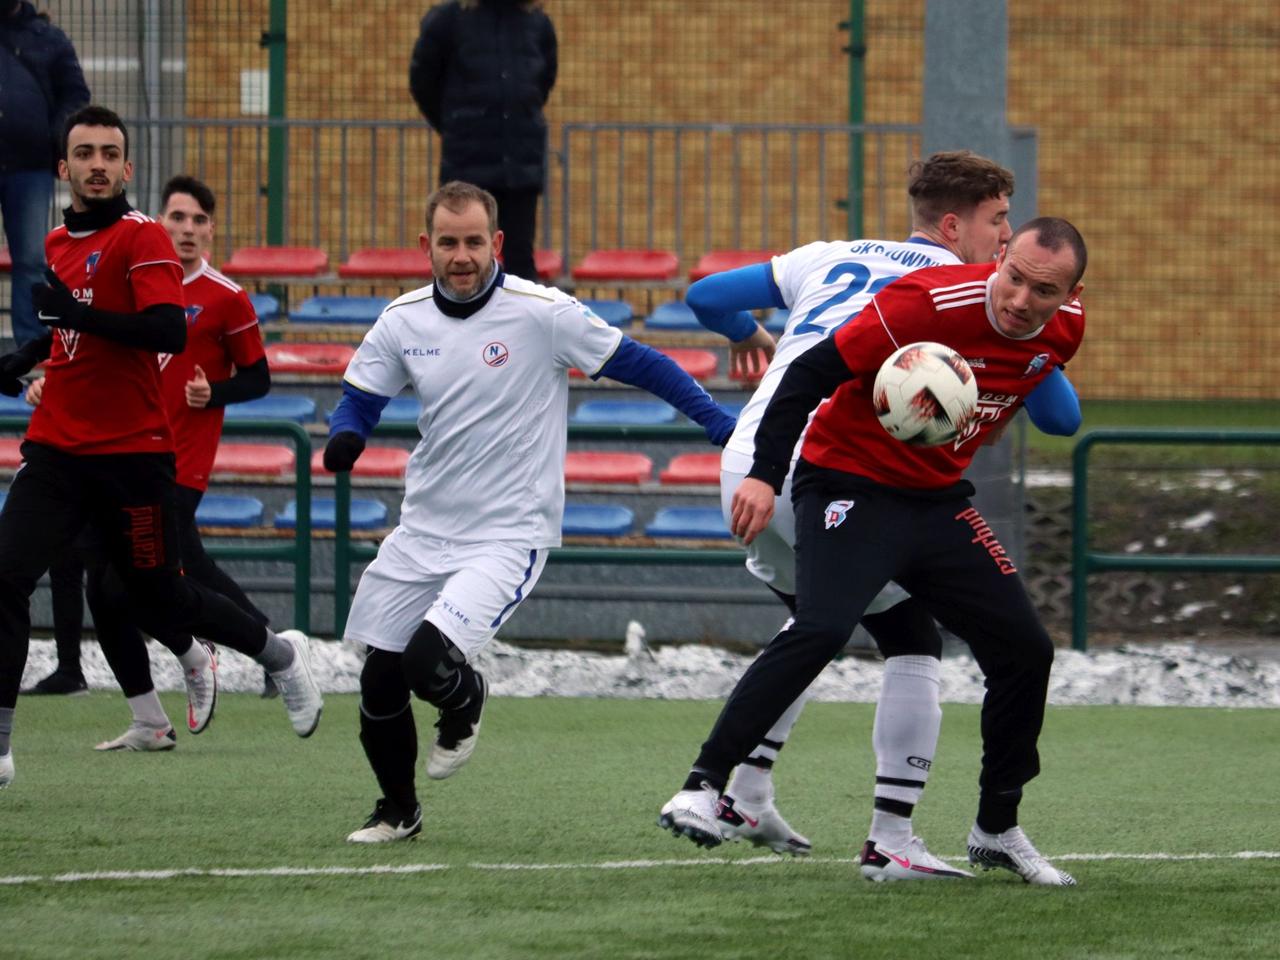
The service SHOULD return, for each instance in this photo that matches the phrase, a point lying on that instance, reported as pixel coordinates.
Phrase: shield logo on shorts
(835, 513)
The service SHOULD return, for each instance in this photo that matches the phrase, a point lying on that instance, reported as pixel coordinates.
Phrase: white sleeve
(791, 269)
(581, 339)
(378, 367)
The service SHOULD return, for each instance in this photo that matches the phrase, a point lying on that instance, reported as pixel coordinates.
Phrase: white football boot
(456, 734)
(386, 824)
(142, 738)
(912, 862)
(6, 769)
(202, 691)
(761, 824)
(1011, 850)
(692, 814)
(298, 688)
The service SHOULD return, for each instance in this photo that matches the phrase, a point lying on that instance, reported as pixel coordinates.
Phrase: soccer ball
(925, 394)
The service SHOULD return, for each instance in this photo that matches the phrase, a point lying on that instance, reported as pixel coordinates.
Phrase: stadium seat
(696, 522)
(699, 364)
(313, 358)
(548, 263)
(220, 510)
(6, 260)
(586, 466)
(596, 520)
(10, 453)
(386, 263)
(624, 412)
(374, 462)
(616, 313)
(365, 514)
(718, 261)
(280, 407)
(15, 407)
(326, 309)
(702, 468)
(627, 265)
(277, 262)
(253, 459)
(776, 321)
(675, 315)
(265, 306)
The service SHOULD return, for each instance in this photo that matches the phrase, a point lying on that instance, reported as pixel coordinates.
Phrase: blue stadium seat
(402, 409)
(218, 510)
(776, 321)
(15, 407)
(265, 306)
(280, 407)
(596, 520)
(675, 315)
(624, 412)
(698, 522)
(616, 313)
(365, 514)
(331, 309)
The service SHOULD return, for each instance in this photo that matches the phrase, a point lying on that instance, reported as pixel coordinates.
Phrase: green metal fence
(1086, 561)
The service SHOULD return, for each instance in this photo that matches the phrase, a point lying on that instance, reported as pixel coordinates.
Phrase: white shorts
(467, 590)
(771, 556)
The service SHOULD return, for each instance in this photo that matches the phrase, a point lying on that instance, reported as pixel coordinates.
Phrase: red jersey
(101, 396)
(949, 305)
(222, 333)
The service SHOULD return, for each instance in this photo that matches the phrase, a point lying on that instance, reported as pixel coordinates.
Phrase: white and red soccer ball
(925, 394)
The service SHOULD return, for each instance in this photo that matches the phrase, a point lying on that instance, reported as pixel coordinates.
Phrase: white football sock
(196, 658)
(753, 782)
(905, 735)
(147, 710)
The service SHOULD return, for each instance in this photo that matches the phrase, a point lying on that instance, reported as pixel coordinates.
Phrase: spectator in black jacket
(481, 72)
(41, 84)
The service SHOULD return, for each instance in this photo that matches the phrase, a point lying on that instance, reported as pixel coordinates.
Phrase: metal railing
(1085, 561)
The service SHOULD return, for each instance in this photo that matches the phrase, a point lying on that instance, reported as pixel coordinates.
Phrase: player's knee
(383, 691)
(435, 669)
(905, 630)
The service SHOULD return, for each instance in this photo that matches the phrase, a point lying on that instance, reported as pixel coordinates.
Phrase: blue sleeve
(1053, 405)
(641, 366)
(357, 412)
(721, 301)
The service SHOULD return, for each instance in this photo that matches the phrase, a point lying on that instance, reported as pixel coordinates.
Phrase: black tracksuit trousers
(852, 537)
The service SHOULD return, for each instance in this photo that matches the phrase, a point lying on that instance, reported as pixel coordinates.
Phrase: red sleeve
(155, 276)
(243, 336)
(884, 325)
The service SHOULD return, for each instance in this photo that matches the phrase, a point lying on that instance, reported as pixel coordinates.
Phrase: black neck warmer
(98, 215)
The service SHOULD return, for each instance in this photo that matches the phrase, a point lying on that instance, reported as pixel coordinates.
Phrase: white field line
(412, 868)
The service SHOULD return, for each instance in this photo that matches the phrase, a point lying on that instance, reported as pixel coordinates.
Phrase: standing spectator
(41, 84)
(481, 73)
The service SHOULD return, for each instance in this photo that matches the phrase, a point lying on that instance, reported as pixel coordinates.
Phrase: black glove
(342, 451)
(56, 306)
(12, 366)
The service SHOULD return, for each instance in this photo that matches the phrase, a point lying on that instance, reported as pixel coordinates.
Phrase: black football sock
(391, 744)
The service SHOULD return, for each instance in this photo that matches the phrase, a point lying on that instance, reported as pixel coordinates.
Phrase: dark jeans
(517, 219)
(25, 197)
(129, 503)
(852, 537)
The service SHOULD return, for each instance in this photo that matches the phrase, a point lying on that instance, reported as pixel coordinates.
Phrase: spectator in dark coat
(41, 84)
(481, 72)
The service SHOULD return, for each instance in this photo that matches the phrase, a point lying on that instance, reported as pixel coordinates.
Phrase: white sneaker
(456, 734)
(142, 738)
(6, 769)
(298, 689)
(386, 824)
(1012, 850)
(202, 691)
(761, 824)
(912, 862)
(692, 814)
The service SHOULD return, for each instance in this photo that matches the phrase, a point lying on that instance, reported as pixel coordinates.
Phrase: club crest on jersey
(1035, 366)
(496, 354)
(91, 263)
(193, 311)
(835, 513)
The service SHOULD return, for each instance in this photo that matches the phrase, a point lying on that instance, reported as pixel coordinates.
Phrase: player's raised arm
(722, 303)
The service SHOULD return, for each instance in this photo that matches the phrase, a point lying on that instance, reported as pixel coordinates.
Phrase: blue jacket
(41, 84)
(481, 77)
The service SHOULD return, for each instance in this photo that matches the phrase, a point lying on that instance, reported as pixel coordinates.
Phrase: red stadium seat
(699, 364)
(6, 261)
(718, 261)
(598, 467)
(548, 263)
(255, 459)
(10, 457)
(277, 262)
(309, 357)
(377, 263)
(702, 468)
(374, 462)
(627, 265)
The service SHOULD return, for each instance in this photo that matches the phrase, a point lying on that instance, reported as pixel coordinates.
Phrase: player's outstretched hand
(342, 451)
(748, 358)
(752, 508)
(57, 306)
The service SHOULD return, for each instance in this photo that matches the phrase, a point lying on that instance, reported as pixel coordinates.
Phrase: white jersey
(824, 284)
(494, 389)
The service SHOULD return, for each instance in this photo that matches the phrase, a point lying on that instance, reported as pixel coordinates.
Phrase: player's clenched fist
(342, 451)
(752, 508)
(56, 306)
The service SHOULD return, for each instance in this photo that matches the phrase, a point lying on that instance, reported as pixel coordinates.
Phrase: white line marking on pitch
(413, 868)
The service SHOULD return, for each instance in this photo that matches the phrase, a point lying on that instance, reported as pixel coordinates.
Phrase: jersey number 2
(859, 280)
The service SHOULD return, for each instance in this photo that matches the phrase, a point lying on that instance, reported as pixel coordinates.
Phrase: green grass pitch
(545, 846)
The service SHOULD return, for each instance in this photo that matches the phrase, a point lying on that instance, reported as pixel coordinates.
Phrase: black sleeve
(814, 374)
(69, 89)
(34, 351)
(551, 55)
(429, 61)
(162, 327)
(248, 383)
